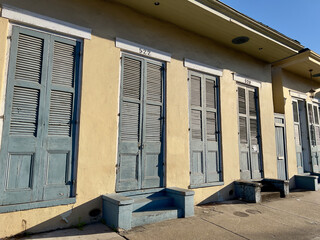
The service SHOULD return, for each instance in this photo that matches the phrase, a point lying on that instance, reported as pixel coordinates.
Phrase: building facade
(101, 97)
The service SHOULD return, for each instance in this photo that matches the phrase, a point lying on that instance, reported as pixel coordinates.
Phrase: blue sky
(297, 19)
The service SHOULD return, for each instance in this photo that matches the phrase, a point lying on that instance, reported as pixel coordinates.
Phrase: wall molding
(142, 50)
(247, 81)
(297, 94)
(23, 16)
(202, 67)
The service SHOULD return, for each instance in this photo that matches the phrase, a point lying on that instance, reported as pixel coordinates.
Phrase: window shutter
(63, 61)
(154, 103)
(130, 114)
(252, 104)
(21, 149)
(205, 158)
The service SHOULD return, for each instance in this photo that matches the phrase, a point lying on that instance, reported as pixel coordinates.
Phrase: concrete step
(269, 196)
(147, 217)
(152, 203)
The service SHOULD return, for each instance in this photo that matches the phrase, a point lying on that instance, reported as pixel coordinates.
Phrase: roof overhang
(221, 23)
(301, 64)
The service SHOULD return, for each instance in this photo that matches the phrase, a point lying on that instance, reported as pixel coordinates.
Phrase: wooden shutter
(21, 153)
(197, 173)
(212, 157)
(129, 157)
(204, 130)
(38, 140)
(63, 60)
(152, 148)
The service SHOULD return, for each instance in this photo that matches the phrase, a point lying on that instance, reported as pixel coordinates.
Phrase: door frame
(164, 136)
(257, 89)
(282, 116)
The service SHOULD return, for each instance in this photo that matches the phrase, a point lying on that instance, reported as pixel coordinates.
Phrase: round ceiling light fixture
(240, 40)
(156, 3)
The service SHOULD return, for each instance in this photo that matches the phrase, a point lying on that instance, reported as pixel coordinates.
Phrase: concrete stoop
(307, 181)
(262, 190)
(131, 209)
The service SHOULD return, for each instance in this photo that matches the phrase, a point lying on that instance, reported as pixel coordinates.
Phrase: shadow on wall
(225, 194)
(89, 212)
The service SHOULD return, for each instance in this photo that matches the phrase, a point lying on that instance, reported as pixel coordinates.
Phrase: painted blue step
(147, 217)
(152, 203)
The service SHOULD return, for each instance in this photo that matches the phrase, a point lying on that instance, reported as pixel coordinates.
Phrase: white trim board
(297, 94)
(247, 81)
(34, 19)
(202, 67)
(142, 50)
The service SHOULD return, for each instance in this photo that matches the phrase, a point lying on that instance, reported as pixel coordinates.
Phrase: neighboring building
(99, 97)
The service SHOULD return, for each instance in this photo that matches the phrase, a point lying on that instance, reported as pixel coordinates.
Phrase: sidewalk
(296, 217)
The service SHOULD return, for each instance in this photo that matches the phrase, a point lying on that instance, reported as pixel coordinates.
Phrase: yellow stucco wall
(100, 98)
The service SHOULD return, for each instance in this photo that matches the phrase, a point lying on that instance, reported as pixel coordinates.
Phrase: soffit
(206, 21)
(301, 64)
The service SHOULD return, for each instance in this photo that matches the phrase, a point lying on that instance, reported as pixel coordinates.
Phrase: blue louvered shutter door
(256, 168)
(297, 136)
(197, 168)
(245, 165)
(152, 157)
(128, 171)
(213, 168)
(60, 118)
(23, 125)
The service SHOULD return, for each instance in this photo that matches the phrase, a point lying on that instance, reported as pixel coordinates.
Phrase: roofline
(250, 22)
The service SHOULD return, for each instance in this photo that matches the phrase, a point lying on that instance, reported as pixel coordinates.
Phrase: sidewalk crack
(239, 235)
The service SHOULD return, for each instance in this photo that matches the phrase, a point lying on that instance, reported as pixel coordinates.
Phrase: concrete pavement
(296, 217)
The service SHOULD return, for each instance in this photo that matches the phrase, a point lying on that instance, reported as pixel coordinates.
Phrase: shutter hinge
(118, 114)
(9, 37)
(117, 167)
(188, 129)
(188, 79)
(2, 117)
(190, 173)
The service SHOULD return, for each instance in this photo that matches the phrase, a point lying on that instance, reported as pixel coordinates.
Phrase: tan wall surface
(100, 99)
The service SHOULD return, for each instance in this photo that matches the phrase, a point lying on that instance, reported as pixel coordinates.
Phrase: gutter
(250, 23)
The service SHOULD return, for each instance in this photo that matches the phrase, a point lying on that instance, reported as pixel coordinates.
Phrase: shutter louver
(24, 114)
(316, 116)
(210, 94)
(196, 91)
(63, 64)
(29, 58)
(60, 113)
(242, 100)
(130, 122)
(254, 131)
(243, 129)
(153, 123)
(310, 113)
(131, 78)
(297, 135)
(295, 112)
(252, 104)
(211, 126)
(154, 82)
(196, 128)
